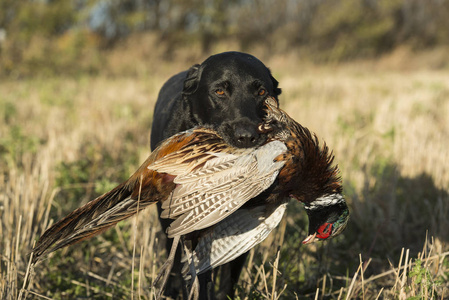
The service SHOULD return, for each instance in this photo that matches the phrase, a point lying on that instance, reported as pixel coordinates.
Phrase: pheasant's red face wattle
(324, 231)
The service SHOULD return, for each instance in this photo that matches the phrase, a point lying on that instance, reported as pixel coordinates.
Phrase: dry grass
(64, 141)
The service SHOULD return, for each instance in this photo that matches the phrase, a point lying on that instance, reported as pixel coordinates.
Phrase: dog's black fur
(226, 92)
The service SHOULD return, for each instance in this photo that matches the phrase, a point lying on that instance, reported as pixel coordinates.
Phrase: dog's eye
(220, 92)
(262, 92)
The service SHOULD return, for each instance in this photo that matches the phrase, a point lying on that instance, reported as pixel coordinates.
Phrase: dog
(225, 92)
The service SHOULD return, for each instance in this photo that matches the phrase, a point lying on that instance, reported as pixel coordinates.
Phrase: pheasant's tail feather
(89, 220)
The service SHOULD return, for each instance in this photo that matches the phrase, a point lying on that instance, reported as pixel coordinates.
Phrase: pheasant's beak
(264, 128)
(309, 239)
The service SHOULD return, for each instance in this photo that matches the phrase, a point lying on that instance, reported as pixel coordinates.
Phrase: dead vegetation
(64, 141)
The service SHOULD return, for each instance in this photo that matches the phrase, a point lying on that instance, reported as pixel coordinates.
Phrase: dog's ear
(192, 80)
(276, 90)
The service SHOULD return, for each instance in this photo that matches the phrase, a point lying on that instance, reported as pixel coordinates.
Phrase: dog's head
(227, 91)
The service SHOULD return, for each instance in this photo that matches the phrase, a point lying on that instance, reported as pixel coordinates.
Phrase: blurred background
(100, 37)
(78, 84)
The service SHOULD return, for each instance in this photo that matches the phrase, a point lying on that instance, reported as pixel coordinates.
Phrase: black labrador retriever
(226, 92)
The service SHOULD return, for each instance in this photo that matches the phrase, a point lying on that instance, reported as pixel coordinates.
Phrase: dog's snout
(242, 133)
(245, 137)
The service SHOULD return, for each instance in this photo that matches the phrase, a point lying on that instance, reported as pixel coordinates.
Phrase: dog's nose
(245, 137)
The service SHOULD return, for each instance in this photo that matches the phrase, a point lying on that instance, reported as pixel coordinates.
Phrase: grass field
(65, 141)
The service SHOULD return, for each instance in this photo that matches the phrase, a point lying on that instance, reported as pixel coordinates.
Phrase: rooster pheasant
(223, 200)
(307, 175)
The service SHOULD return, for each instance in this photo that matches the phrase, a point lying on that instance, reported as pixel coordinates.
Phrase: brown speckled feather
(207, 195)
(145, 186)
(194, 167)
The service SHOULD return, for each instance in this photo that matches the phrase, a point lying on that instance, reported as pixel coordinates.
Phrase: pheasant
(307, 175)
(223, 200)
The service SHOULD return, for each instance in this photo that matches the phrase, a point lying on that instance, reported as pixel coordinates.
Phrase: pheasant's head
(328, 217)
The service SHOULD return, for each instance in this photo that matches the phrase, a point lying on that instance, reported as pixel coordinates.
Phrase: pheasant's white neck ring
(325, 201)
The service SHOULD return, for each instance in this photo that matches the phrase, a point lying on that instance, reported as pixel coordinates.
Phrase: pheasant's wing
(234, 236)
(187, 151)
(217, 188)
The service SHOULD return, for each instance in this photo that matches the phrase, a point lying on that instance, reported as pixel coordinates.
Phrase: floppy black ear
(192, 80)
(276, 90)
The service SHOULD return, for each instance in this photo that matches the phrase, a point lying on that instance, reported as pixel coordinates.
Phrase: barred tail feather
(89, 220)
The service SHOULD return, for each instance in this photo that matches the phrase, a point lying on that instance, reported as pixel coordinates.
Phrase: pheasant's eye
(220, 92)
(262, 92)
(324, 231)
